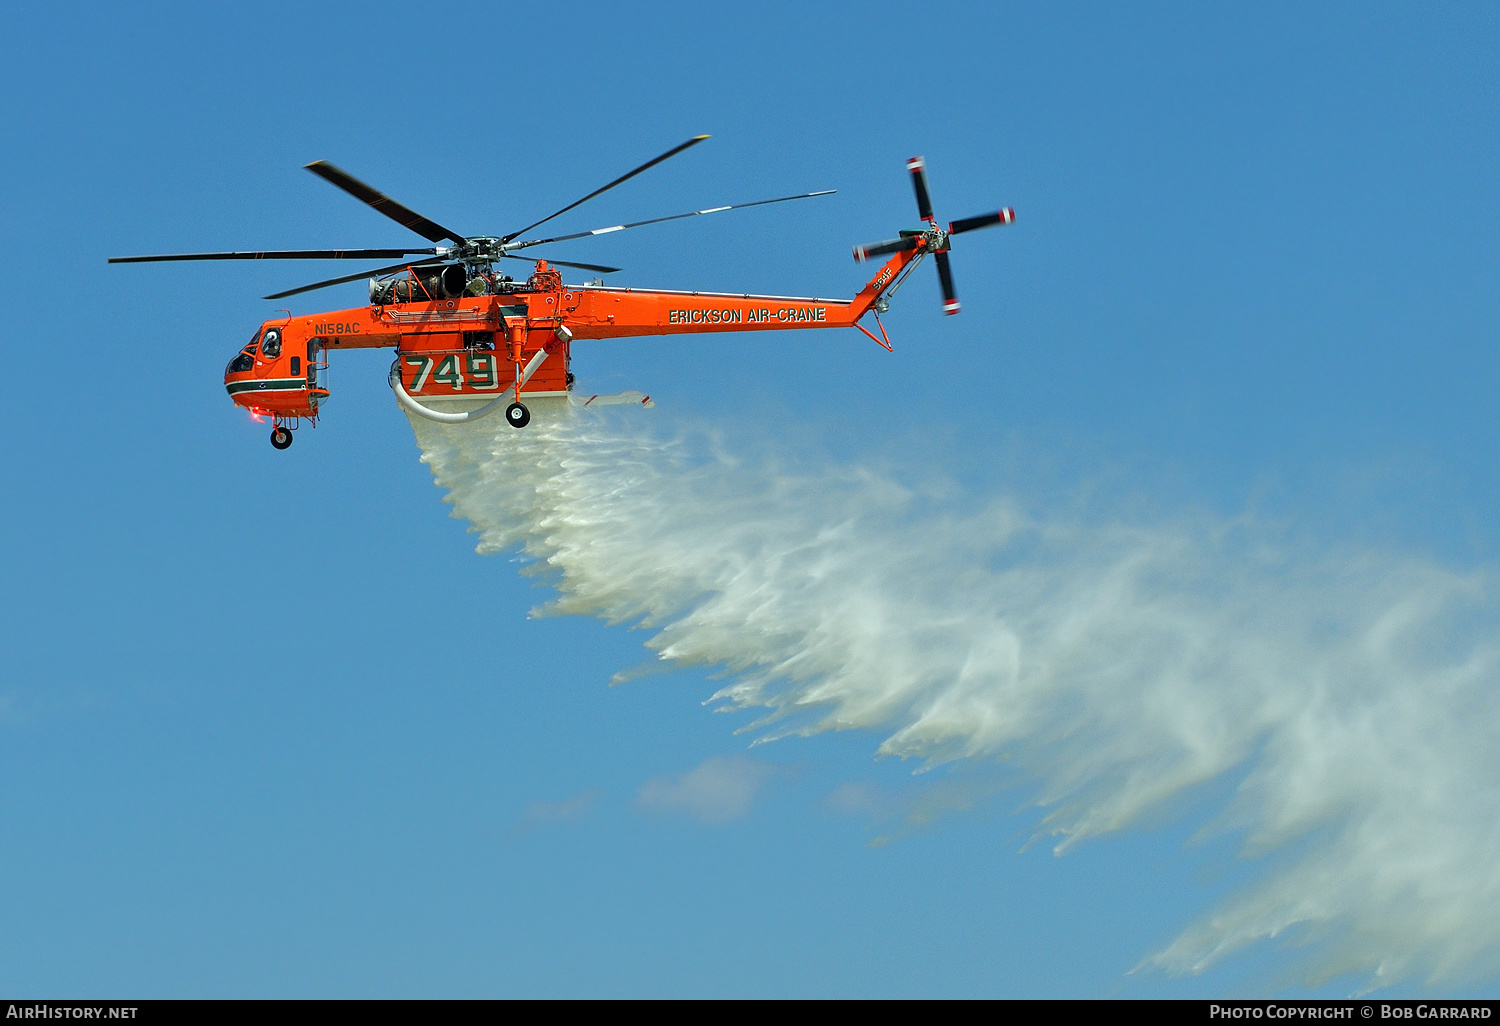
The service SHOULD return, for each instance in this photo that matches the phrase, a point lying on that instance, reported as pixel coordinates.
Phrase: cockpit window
(254, 338)
(270, 343)
(240, 364)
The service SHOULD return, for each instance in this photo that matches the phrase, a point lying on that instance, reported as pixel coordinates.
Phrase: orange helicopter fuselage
(474, 346)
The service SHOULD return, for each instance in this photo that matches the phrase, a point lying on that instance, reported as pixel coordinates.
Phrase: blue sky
(270, 727)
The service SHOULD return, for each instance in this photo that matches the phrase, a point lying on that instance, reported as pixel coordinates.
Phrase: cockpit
(281, 378)
(245, 359)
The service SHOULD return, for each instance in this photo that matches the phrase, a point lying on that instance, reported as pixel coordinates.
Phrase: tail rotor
(933, 239)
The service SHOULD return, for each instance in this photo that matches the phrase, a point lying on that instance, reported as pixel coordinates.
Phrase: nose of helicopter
(237, 374)
(241, 363)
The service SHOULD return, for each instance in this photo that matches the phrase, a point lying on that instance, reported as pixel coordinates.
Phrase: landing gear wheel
(281, 438)
(518, 415)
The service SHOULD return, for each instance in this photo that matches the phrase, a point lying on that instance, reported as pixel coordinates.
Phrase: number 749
(476, 370)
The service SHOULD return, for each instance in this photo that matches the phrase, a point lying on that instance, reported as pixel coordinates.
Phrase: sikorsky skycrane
(462, 331)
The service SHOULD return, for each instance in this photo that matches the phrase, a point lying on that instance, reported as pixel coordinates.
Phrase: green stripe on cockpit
(267, 385)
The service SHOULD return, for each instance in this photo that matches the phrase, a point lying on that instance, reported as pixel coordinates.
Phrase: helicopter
(475, 340)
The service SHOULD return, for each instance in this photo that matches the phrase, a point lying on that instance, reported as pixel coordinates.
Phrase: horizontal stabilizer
(628, 398)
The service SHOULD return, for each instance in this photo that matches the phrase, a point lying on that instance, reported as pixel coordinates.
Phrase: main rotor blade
(1005, 215)
(945, 279)
(695, 140)
(918, 168)
(564, 263)
(377, 272)
(862, 253)
(423, 226)
(674, 217)
(279, 254)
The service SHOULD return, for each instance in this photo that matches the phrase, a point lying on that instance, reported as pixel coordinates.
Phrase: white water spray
(1118, 667)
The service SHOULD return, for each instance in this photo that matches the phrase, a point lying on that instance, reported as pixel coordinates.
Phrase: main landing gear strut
(281, 432)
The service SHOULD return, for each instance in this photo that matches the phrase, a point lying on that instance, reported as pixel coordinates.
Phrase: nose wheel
(517, 415)
(281, 438)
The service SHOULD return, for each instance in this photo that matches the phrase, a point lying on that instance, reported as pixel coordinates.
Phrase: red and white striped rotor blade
(1004, 215)
(945, 278)
(918, 168)
(862, 253)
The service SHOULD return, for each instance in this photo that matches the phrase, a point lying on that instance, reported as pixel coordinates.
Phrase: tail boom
(623, 313)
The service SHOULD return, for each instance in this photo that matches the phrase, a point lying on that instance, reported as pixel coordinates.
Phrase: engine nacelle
(420, 285)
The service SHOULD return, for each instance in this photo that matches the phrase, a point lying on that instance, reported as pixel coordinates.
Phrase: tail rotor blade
(863, 253)
(1005, 215)
(918, 168)
(945, 278)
